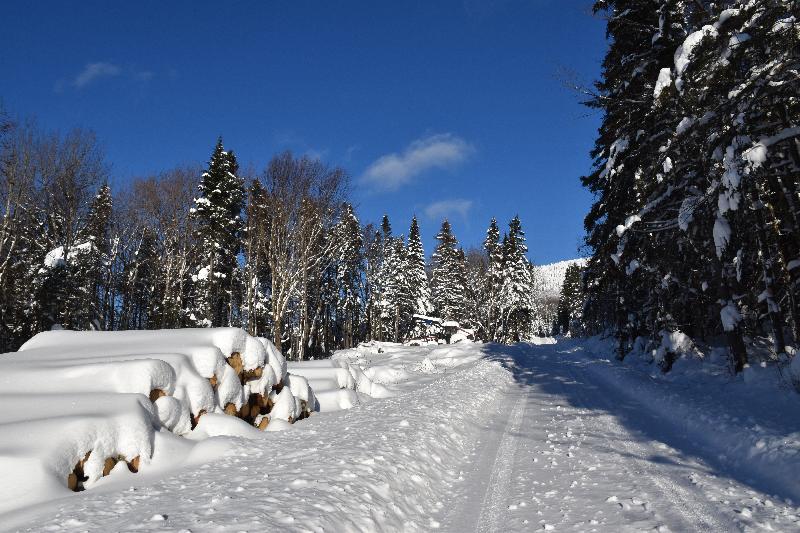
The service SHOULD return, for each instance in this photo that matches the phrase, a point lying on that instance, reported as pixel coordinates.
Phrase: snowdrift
(77, 404)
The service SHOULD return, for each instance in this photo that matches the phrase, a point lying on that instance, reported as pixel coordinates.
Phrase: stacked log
(184, 374)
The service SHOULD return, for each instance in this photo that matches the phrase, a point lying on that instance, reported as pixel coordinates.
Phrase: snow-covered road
(571, 452)
(476, 438)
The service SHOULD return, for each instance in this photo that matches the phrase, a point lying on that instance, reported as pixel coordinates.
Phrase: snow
(684, 125)
(55, 257)
(683, 54)
(795, 371)
(631, 220)
(730, 316)
(425, 318)
(686, 212)
(756, 155)
(551, 435)
(664, 81)
(617, 148)
(722, 234)
(672, 342)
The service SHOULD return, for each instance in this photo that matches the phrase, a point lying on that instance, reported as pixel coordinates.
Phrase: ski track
(500, 478)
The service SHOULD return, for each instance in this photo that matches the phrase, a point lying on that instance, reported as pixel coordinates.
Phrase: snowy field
(466, 437)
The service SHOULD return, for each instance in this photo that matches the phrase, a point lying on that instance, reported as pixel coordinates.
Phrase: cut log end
(76, 478)
(230, 409)
(109, 465)
(249, 375)
(264, 423)
(235, 360)
(133, 465)
(196, 418)
(155, 394)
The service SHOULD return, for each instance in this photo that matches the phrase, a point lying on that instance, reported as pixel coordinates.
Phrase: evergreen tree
(418, 278)
(98, 283)
(516, 306)
(449, 273)
(696, 173)
(397, 304)
(494, 279)
(373, 287)
(218, 213)
(139, 278)
(257, 278)
(349, 265)
(570, 303)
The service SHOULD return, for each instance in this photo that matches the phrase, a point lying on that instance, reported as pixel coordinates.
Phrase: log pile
(181, 376)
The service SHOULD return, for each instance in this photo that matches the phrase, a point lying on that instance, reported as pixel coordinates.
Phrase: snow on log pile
(336, 382)
(77, 405)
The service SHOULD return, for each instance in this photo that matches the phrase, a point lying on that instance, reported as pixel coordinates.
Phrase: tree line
(696, 174)
(281, 254)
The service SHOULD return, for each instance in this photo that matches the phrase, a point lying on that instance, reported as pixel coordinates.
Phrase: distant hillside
(547, 289)
(550, 278)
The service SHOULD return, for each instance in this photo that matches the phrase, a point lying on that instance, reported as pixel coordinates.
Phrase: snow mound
(336, 381)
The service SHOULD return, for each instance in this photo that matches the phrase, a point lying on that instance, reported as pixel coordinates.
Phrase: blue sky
(437, 108)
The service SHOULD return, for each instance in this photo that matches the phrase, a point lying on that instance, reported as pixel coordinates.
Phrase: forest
(695, 226)
(279, 253)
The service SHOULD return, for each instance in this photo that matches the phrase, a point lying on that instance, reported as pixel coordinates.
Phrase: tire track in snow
(497, 490)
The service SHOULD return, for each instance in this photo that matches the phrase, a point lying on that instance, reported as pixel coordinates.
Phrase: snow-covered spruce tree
(73, 279)
(392, 301)
(477, 268)
(449, 276)
(373, 255)
(379, 249)
(752, 55)
(494, 280)
(256, 274)
(729, 74)
(710, 244)
(418, 278)
(640, 33)
(349, 265)
(570, 303)
(516, 306)
(138, 284)
(218, 212)
(397, 303)
(99, 281)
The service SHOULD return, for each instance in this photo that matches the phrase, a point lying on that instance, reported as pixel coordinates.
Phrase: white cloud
(94, 71)
(448, 209)
(391, 171)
